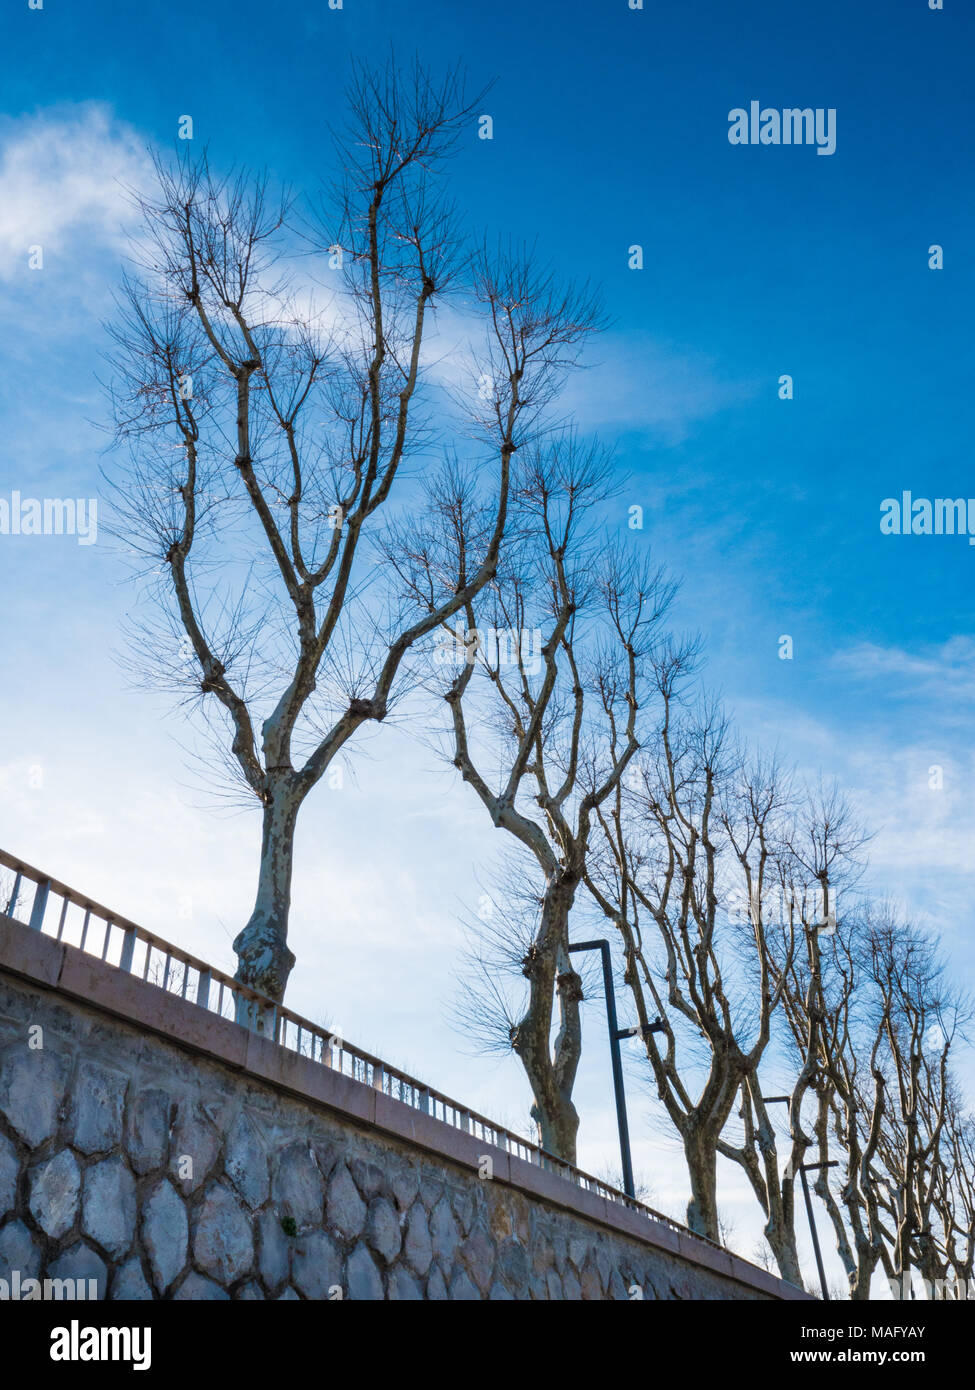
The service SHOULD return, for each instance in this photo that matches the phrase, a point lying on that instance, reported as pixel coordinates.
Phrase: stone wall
(140, 1162)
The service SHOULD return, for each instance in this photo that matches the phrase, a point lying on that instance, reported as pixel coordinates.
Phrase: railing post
(128, 951)
(40, 903)
(203, 989)
(11, 907)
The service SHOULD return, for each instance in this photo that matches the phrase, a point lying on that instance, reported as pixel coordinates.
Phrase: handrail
(119, 946)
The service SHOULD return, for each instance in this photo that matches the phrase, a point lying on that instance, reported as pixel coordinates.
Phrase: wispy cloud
(64, 173)
(944, 673)
(657, 388)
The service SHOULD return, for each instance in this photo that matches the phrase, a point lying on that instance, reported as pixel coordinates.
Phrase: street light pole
(615, 1034)
(812, 1223)
(787, 1100)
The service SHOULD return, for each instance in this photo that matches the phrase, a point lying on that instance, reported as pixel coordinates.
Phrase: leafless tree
(699, 848)
(271, 434)
(544, 721)
(814, 857)
(873, 1020)
(953, 1196)
(676, 841)
(919, 1016)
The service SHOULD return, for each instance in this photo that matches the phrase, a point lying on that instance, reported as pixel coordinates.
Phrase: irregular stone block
(82, 1264)
(436, 1286)
(165, 1233)
(129, 1284)
(463, 1205)
(591, 1287)
(195, 1288)
(289, 1296)
(317, 1265)
(543, 1256)
(108, 1206)
(477, 1253)
(297, 1186)
(326, 1155)
(418, 1247)
(431, 1189)
(193, 1138)
(54, 1187)
(9, 1172)
(97, 1104)
(223, 1242)
(18, 1251)
(251, 1293)
(443, 1233)
(617, 1289)
(462, 1288)
(383, 1230)
(31, 1090)
(147, 1130)
(403, 1288)
(368, 1177)
(274, 1261)
(500, 1294)
(513, 1266)
(245, 1162)
(404, 1183)
(578, 1250)
(362, 1278)
(345, 1209)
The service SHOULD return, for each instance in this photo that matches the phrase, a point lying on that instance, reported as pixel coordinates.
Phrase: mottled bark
(702, 1168)
(264, 961)
(551, 1067)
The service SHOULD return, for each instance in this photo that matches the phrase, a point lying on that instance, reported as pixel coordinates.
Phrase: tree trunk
(701, 1132)
(781, 1236)
(702, 1167)
(264, 961)
(551, 1072)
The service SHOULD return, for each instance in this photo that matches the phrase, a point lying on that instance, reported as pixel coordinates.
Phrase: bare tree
(953, 1196)
(693, 841)
(544, 723)
(814, 856)
(919, 1014)
(269, 433)
(873, 1021)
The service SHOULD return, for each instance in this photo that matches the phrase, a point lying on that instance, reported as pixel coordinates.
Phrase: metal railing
(57, 910)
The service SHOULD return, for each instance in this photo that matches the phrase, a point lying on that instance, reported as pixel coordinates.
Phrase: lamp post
(615, 1034)
(803, 1167)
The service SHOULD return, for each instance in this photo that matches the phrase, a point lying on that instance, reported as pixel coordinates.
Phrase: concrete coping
(68, 970)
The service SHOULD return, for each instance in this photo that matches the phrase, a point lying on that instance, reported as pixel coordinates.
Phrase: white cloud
(658, 389)
(64, 174)
(945, 673)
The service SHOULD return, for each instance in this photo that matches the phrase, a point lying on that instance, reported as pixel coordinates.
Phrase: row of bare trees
(348, 477)
(748, 947)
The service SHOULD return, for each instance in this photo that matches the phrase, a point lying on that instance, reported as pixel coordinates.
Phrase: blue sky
(610, 129)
